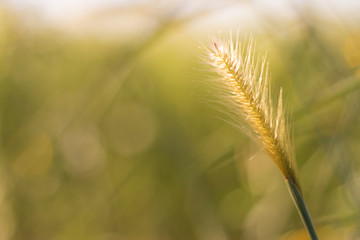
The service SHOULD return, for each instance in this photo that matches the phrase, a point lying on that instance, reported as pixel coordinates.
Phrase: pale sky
(63, 8)
(63, 12)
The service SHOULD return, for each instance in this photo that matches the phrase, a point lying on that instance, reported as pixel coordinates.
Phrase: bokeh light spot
(83, 152)
(352, 50)
(131, 129)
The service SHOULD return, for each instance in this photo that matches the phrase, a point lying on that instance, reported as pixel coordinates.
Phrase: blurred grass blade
(338, 90)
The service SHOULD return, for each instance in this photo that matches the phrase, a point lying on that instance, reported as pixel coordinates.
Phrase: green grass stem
(301, 207)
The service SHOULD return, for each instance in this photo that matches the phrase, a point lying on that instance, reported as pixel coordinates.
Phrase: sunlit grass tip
(244, 84)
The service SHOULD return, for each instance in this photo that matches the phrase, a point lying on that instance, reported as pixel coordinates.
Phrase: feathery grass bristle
(245, 87)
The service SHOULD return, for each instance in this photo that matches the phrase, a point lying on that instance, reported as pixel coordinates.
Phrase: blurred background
(105, 134)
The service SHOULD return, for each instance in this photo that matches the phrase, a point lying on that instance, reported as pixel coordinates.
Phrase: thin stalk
(301, 207)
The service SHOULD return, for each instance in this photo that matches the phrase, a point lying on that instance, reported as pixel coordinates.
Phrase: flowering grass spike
(246, 84)
(245, 89)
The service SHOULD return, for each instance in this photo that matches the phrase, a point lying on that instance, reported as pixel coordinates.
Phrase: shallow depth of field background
(105, 134)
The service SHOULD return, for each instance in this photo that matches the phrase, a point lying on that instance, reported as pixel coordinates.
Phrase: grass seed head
(244, 85)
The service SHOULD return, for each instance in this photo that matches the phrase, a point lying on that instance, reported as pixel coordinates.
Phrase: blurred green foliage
(105, 140)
